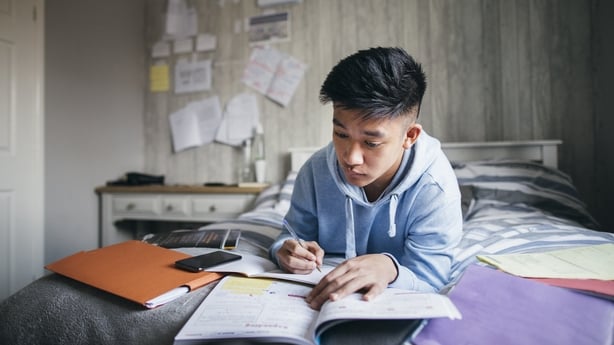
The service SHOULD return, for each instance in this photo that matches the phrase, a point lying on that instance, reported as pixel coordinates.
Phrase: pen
(295, 236)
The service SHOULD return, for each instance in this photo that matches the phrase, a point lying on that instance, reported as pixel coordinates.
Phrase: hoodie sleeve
(301, 214)
(434, 230)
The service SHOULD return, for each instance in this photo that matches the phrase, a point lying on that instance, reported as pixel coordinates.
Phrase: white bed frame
(544, 151)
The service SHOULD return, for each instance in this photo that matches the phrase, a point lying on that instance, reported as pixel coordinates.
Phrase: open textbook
(269, 310)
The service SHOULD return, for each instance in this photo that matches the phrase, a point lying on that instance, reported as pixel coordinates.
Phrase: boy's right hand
(298, 258)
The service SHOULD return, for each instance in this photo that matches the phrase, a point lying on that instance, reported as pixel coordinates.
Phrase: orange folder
(134, 270)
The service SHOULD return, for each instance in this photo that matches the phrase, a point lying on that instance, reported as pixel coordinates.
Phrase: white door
(21, 144)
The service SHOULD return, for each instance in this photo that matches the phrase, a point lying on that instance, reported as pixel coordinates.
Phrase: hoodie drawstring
(350, 239)
(392, 211)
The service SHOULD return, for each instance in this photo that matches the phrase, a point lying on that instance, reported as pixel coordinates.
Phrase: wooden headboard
(544, 151)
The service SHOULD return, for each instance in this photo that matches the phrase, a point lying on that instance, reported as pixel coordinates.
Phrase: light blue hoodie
(416, 221)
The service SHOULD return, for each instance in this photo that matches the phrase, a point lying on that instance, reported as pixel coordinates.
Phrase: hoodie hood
(416, 161)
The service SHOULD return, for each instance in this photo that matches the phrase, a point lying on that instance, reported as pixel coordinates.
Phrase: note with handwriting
(586, 262)
(273, 74)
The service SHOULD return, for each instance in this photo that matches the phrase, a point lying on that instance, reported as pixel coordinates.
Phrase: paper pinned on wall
(183, 45)
(181, 19)
(288, 75)
(161, 49)
(158, 78)
(241, 116)
(261, 67)
(273, 74)
(269, 28)
(192, 76)
(206, 42)
(195, 124)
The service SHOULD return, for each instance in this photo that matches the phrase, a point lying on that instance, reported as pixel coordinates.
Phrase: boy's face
(370, 151)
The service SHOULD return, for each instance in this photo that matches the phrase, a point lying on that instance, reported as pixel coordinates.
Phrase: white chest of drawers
(169, 203)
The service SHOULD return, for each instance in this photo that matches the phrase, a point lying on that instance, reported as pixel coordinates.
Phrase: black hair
(379, 82)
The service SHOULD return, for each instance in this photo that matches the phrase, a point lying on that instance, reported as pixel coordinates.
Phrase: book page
(312, 278)
(256, 266)
(392, 304)
(248, 265)
(246, 308)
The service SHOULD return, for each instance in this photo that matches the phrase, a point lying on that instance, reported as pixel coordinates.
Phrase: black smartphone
(201, 262)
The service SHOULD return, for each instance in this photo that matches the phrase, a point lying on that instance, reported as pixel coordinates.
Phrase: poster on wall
(269, 28)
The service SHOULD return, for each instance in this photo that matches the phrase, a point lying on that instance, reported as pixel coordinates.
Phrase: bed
(513, 198)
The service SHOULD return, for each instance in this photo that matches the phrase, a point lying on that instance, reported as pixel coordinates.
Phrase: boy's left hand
(370, 273)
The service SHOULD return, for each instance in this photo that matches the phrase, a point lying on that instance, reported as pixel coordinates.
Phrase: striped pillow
(525, 182)
(285, 194)
(268, 197)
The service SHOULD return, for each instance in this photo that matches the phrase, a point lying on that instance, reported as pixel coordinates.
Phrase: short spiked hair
(379, 82)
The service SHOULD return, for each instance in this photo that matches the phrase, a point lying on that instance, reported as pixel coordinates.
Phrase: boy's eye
(371, 144)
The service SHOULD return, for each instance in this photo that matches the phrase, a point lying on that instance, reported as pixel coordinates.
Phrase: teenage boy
(382, 193)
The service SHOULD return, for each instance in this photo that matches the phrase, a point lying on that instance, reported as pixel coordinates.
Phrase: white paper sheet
(183, 45)
(241, 116)
(583, 262)
(195, 124)
(181, 19)
(161, 49)
(192, 76)
(206, 42)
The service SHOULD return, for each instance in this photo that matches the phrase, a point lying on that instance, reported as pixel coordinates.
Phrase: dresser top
(226, 189)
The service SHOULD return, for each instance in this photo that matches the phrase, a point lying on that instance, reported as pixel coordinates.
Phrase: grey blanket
(58, 310)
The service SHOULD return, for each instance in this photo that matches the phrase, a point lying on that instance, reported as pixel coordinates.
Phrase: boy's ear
(413, 132)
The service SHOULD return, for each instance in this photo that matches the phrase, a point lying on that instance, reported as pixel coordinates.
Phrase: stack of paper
(587, 268)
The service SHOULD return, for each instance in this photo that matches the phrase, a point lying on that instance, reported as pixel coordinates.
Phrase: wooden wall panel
(492, 67)
(496, 69)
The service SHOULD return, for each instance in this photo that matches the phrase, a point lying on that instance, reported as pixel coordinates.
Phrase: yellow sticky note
(158, 78)
(247, 286)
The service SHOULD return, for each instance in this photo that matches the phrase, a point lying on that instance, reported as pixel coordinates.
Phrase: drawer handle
(212, 208)
(169, 208)
(130, 207)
